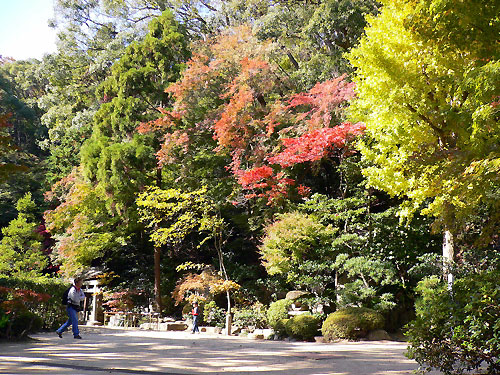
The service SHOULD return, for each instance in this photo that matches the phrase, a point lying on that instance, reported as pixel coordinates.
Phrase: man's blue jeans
(195, 324)
(73, 321)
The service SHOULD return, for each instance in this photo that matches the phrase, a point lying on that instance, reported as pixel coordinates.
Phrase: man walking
(75, 296)
(195, 313)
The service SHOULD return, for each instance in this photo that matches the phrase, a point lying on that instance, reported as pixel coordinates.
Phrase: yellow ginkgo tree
(427, 76)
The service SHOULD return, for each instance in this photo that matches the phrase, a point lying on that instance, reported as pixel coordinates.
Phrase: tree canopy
(427, 81)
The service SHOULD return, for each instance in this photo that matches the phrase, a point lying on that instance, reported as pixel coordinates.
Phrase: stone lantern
(93, 292)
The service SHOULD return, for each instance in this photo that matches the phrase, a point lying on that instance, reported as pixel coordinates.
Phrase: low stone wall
(168, 326)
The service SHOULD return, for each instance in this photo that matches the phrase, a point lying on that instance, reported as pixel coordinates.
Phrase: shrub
(280, 327)
(214, 315)
(351, 323)
(456, 332)
(17, 317)
(302, 327)
(50, 310)
(277, 311)
(23, 323)
(251, 318)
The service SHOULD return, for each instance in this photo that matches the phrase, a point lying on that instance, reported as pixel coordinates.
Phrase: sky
(24, 32)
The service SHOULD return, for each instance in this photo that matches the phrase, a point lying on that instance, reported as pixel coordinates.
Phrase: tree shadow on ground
(119, 351)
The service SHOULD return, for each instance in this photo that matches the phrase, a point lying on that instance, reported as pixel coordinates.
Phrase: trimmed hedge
(28, 305)
(351, 323)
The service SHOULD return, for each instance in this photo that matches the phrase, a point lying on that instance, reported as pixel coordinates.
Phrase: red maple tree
(232, 88)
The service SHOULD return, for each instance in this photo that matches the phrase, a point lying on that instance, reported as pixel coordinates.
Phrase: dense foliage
(29, 304)
(302, 327)
(232, 151)
(466, 324)
(277, 312)
(430, 105)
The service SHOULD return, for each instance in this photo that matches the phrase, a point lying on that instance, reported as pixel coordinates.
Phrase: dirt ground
(122, 351)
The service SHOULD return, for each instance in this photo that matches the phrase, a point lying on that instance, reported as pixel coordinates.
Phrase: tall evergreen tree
(118, 160)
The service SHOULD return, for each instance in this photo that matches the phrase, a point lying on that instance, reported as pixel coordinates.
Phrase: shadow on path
(119, 351)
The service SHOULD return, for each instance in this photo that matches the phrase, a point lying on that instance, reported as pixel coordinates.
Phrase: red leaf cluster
(324, 99)
(19, 300)
(315, 145)
(254, 177)
(232, 84)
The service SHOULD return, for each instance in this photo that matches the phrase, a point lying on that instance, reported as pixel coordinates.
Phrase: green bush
(351, 323)
(302, 327)
(458, 331)
(214, 315)
(277, 311)
(251, 318)
(22, 324)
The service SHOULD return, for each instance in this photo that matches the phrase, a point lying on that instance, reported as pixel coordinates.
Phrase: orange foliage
(201, 286)
(325, 98)
(232, 86)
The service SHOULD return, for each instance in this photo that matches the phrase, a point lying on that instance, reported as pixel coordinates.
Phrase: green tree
(298, 248)
(8, 157)
(313, 37)
(68, 108)
(21, 246)
(116, 158)
(171, 215)
(81, 224)
(21, 134)
(92, 36)
(372, 251)
(20, 86)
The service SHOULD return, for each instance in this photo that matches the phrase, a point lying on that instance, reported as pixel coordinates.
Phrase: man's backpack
(64, 300)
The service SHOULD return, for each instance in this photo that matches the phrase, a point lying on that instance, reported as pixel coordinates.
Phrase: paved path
(120, 351)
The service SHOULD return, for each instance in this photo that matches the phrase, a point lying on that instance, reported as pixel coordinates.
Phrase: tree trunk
(448, 255)
(292, 60)
(157, 260)
(157, 256)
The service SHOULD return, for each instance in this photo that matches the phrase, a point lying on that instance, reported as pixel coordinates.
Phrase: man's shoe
(78, 337)
(59, 334)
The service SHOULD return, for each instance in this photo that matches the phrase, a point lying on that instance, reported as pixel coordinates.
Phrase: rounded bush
(277, 311)
(351, 323)
(302, 327)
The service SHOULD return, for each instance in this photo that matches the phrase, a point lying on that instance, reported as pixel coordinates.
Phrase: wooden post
(229, 323)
